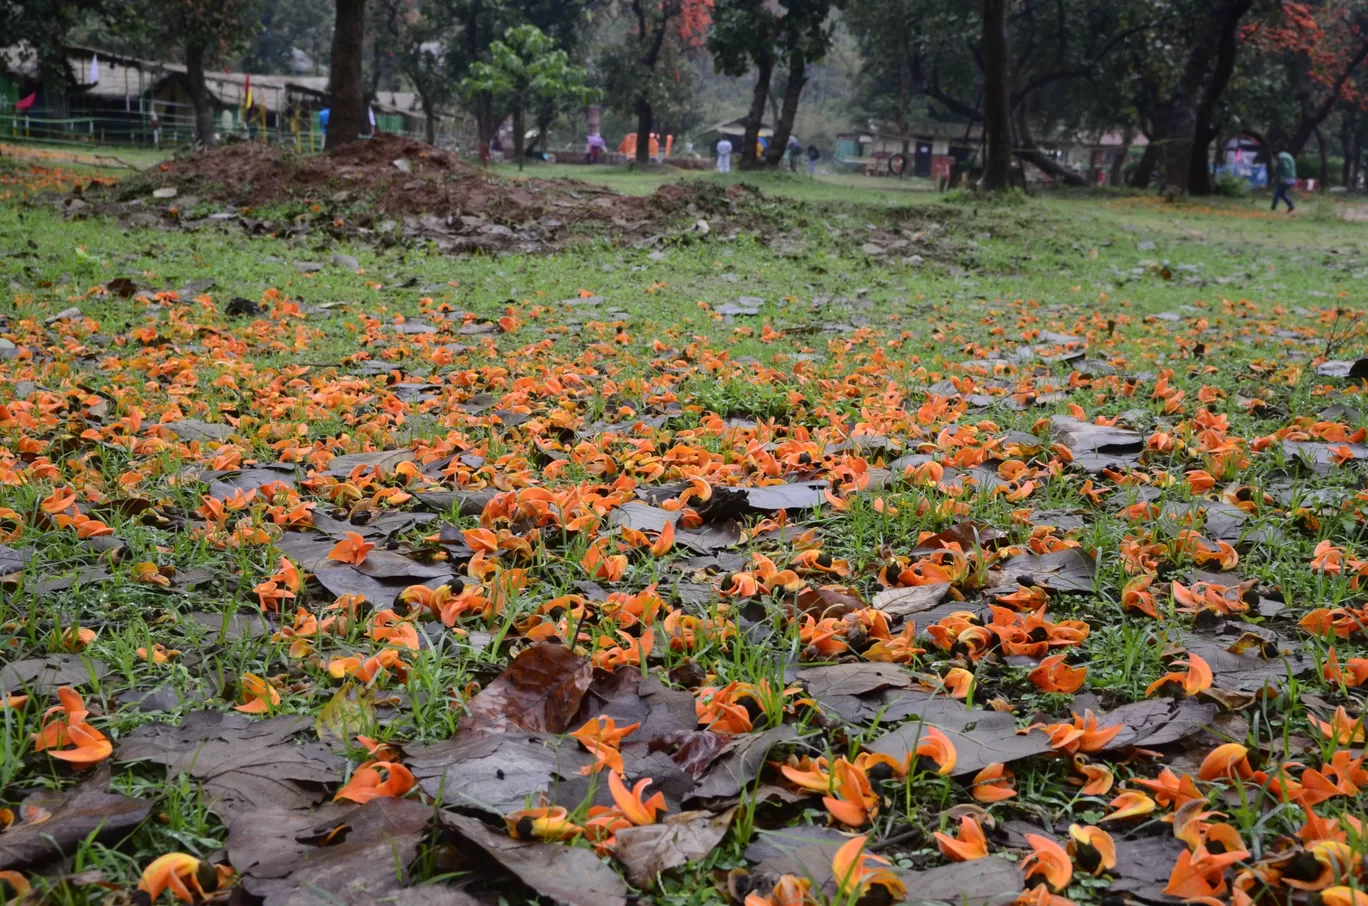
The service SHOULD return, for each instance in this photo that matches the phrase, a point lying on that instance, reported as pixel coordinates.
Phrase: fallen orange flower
(636, 810)
(260, 696)
(1353, 673)
(993, 784)
(968, 844)
(1047, 861)
(789, 890)
(1053, 675)
(1341, 729)
(551, 824)
(854, 802)
(351, 549)
(1130, 804)
(377, 780)
(1092, 848)
(188, 879)
(856, 872)
(1197, 678)
(89, 745)
(1229, 761)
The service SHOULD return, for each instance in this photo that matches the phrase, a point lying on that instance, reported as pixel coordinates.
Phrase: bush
(1230, 186)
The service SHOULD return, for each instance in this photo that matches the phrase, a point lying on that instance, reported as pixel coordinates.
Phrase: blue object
(323, 118)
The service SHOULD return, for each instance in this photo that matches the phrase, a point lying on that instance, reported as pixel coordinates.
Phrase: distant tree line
(1184, 75)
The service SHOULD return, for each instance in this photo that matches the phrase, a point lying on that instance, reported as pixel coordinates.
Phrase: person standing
(813, 155)
(724, 152)
(1287, 178)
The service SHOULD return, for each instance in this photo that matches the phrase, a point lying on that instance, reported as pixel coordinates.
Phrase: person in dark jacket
(813, 155)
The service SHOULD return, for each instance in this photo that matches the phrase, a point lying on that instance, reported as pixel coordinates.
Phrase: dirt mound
(415, 190)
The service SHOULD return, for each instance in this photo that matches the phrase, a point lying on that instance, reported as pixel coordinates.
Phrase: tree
(997, 122)
(207, 31)
(44, 26)
(418, 36)
(525, 68)
(743, 35)
(889, 36)
(804, 37)
(633, 78)
(348, 111)
(294, 36)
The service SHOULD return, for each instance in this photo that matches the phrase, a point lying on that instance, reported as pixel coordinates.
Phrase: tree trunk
(1149, 160)
(1031, 153)
(643, 148)
(199, 95)
(1324, 160)
(1118, 167)
(793, 90)
(997, 115)
(1182, 126)
(1199, 176)
(348, 104)
(1347, 141)
(764, 69)
(518, 138)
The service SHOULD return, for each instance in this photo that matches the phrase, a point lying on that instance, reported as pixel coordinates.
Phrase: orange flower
(1353, 673)
(1171, 790)
(1341, 729)
(602, 737)
(1053, 675)
(857, 872)
(14, 886)
(1227, 761)
(368, 669)
(1197, 678)
(636, 810)
(936, 746)
(789, 890)
(969, 844)
(260, 696)
(993, 783)
(1130, 804)
(351, 549)
(855, 803)
(188, 879)
(376, 780)
(1049, 861)
(89, 745)
(1092, 848)
(550, 824)
(1343, 896)
(1200, 873)
(1095, 779)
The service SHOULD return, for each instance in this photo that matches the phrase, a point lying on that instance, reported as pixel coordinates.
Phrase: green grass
(860, 331)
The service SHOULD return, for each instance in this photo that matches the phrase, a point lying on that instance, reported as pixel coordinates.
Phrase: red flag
(27, 102)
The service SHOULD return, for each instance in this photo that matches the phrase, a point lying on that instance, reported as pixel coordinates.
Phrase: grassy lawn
(182, 535)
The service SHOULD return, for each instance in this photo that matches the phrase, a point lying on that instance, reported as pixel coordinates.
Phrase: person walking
(813, 155)
(1287, 178)
(724, 152)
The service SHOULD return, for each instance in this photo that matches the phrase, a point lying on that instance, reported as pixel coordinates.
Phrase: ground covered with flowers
(834, 554)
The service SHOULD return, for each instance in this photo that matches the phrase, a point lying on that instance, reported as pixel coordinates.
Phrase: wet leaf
(496, 774)
(243, 764)
(1157, 722)
(981, 738)
(904, 602)
(350, 711)
(739, 763)
(88, 811)
(563, 874)
(43, 675)
(540, 690)
(680, 838)
(290, 859)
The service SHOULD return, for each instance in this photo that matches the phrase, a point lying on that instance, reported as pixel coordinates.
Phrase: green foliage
(1230, 186)
(526, 66)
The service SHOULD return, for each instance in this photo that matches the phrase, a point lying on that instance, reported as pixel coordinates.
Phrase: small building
(733, 130)
(925, 149)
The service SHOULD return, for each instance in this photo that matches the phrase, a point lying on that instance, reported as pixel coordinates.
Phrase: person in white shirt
(724, 151)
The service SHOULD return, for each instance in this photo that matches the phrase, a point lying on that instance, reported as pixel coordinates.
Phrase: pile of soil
(418, 191)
